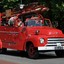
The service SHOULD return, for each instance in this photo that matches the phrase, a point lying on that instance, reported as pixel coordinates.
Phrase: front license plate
(58, 48)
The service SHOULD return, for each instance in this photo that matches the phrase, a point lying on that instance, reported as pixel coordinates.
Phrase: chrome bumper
(50, 48)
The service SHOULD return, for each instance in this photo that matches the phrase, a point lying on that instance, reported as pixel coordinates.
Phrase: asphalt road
(13, 57)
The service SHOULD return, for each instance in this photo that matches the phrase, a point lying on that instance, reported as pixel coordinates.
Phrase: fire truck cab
(37, 35)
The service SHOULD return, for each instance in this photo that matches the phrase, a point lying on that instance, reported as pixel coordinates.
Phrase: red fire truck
(33, 37)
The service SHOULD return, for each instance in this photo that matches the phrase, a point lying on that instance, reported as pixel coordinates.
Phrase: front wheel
(59, 53)
(32, 51)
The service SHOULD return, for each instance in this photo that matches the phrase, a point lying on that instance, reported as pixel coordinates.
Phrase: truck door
(17, 37)
(3, 35)
(12, 37)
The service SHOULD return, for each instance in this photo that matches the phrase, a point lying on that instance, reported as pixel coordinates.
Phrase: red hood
(44, 30)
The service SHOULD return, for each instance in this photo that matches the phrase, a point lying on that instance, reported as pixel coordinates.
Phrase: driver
(37, 20)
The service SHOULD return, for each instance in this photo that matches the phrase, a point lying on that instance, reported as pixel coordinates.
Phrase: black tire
(4, 50)
(59, 53)
(32, 52)
(0, 50)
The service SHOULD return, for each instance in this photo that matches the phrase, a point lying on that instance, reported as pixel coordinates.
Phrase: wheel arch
(31, 50)
(27, 44)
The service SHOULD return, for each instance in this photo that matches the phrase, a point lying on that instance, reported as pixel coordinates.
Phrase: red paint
(17, 37)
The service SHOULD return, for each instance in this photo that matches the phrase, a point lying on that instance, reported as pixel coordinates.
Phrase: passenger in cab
(15, 21)
(33, 22)
(12, 20)
(19, 23)
(37, 20)
(26, 21)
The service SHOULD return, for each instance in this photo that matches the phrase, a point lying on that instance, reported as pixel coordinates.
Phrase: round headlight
(41, 40)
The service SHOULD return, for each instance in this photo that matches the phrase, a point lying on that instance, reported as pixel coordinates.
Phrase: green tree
(9, 3)
(56, 12)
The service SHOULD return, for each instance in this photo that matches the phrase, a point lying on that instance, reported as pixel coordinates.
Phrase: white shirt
(12, 19)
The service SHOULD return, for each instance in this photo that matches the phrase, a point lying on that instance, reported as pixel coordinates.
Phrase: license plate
(58, 48)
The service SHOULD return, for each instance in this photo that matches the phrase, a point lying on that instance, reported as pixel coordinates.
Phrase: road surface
(13, 57)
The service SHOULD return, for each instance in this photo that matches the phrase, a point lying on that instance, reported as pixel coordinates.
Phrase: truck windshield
(33, 23)
(38, 23)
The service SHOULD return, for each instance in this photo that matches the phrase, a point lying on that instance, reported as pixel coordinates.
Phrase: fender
(33, 40)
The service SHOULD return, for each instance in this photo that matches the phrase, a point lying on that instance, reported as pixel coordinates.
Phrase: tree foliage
(6, 4)
(56, 8)
(56, 12)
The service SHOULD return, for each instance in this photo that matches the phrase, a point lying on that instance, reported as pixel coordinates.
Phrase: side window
(46, 23)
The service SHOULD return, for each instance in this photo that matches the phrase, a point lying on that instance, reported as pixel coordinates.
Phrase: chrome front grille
(54, 41)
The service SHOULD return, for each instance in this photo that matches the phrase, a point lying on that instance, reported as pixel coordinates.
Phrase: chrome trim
(48, 48)
(9, 32)
(55, 38)
(54, 41)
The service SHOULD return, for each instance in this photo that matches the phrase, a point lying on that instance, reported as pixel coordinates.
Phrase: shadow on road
(24, 55)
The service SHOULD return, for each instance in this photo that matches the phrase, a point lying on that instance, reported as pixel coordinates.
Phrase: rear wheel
(59, 53)
(32, 51)
(0, 50)
(4, 50)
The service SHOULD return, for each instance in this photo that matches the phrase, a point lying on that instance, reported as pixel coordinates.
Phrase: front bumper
(49, 48)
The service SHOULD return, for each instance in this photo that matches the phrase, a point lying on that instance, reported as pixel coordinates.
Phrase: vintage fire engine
(33, 37)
